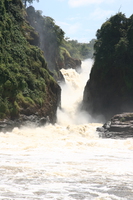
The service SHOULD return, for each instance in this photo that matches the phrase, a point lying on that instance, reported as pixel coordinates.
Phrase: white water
(67, 161)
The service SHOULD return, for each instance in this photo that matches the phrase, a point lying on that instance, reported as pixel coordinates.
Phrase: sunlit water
(67, 161)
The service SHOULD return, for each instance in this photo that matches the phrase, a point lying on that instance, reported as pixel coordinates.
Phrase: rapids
(67, 161)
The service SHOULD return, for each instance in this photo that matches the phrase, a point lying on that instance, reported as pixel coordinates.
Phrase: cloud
(77, 3)
(62, 23)
(69, 28)
(73, 28)
(74, 18)
(99, 14)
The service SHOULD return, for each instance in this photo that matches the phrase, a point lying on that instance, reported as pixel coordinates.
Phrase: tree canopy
(28, 1)
(79, 50)
(113, 47)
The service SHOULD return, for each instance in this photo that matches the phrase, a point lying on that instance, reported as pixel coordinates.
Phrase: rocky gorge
(30, 69)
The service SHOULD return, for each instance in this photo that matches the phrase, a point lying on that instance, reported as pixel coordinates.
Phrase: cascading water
(67, 161)
(72, 95)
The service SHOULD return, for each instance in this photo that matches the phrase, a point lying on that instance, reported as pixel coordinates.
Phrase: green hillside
(26, 86)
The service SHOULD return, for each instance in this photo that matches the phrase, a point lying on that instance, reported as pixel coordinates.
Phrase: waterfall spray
(72, 94)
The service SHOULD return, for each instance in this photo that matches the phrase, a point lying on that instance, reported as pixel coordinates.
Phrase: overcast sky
(80, 19)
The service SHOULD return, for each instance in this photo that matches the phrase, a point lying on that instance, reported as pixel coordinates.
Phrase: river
(67, 161)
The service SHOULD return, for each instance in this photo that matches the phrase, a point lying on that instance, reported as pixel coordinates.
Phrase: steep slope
(51, 37)
(110, 88)
(26, 86)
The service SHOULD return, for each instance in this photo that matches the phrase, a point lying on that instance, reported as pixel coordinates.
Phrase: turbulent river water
(67, 161)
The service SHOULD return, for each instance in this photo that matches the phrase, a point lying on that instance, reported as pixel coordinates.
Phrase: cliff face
(110, 88)
(107, 94)
(26, 87)
(101, 99)
(50, 39)
(65, 61)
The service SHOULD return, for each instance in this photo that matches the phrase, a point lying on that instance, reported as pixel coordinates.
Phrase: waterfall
(72, 94)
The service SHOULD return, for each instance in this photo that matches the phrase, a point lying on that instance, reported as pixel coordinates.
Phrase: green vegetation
(26, 85)
(63, 52)
(52, 41)
(24, 78)
(79, 50)
(50, 36)
(114, 52)
(29, 1)
(110, 89)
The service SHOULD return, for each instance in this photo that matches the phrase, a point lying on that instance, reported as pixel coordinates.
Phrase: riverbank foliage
(24, 79)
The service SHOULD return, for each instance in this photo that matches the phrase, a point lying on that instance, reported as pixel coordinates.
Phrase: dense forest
(79, 50)
(26, 87)
(110, 88)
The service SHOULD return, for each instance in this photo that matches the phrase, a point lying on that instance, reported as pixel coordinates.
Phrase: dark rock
(69, 62)
(120, 126)
(8, 125)
(43, 121)
(30, 121)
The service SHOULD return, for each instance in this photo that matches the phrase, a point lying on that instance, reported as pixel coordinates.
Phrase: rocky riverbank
(120, 126)
(23, 120)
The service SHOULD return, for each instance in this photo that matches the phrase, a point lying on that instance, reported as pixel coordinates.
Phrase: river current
(67, 161)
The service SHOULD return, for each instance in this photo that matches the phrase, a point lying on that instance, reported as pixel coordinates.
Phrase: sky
(80, 19)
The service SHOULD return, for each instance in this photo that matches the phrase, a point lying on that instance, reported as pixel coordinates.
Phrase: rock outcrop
(68, 62)
(120, 126)
(110, 88)
(23, 120)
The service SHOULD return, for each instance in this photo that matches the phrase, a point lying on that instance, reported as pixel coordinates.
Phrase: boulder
(29, 121)
(120, 126)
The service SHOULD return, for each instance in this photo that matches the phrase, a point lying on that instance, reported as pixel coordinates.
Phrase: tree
(29, 1)
(113, 33)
